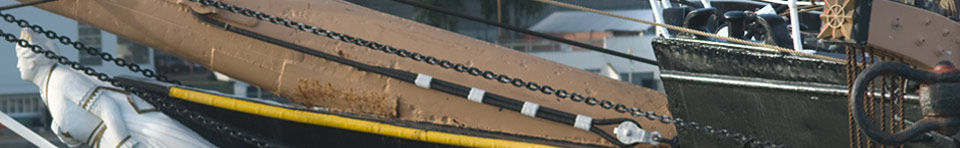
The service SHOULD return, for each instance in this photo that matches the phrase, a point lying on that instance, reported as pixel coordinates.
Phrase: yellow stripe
(343, 122)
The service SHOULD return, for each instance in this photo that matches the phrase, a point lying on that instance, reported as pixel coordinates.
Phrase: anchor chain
(490, 75)
(163, 104)
(83, 48)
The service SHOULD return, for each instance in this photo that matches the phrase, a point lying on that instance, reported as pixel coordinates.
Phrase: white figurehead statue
(90, 112)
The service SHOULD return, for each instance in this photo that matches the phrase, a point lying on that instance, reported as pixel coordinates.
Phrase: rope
(697, 32)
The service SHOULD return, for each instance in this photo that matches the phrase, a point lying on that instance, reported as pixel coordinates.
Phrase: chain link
(486, 74)
(83, 48)
(163, 104)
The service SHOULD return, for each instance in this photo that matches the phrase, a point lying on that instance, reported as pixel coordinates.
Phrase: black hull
(788, 99)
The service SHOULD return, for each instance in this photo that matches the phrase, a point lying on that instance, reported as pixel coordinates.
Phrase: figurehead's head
(29, 62)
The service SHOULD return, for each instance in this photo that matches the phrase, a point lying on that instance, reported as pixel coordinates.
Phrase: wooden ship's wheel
(838, 19)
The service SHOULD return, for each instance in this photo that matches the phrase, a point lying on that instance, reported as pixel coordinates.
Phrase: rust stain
(315, 93)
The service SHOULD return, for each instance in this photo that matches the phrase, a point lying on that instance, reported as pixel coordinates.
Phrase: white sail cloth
(91, 112)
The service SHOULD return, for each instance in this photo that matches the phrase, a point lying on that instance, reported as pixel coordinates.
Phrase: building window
(644, 79)
(90, 36)
(132, 51)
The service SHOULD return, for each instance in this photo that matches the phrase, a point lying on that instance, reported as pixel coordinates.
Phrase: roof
(579, 21)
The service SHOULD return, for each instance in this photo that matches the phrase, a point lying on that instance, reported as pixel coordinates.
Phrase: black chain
(83, 48)
(171, 107)
(163, 105)
(490, 75)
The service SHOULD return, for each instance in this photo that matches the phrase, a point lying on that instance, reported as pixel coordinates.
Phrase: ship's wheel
(838, 19)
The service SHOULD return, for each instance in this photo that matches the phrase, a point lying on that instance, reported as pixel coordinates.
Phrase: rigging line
(697, 32)
(531, 32)
(435, 84)
(37, 2)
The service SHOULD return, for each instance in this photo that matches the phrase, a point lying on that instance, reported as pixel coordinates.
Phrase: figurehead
(32, 64)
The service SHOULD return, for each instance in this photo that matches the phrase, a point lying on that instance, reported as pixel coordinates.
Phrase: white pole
(658, 17)
(706, 3)
(795, 24)
(665, 4)
(25, 132)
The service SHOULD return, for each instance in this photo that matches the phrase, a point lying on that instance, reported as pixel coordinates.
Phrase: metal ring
(666, 119)
(432, 60)
(474, 71)
(650, 115)
(591, 101)
(10, 38)
(620, 108)
(390, 50)
(22, 23)
(546, 90)
(517, 82)
(533, 86)
(36, 28)
(459, 67)
(92, 51)
(446, 64)
(376, 46)
(575, 97)
(403, 53)
(490, 75)
(9, 18)
(106, 56)
(120, 62)
(504, 79)
(562, 94)
(637, 112)
(64, 40)
(416, 56)
(52, 35)
(23, 43)
(134, 67)
(605, 104)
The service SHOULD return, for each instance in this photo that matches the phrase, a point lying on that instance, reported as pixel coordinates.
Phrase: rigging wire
(697, 32)
(530, 32)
